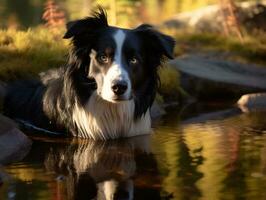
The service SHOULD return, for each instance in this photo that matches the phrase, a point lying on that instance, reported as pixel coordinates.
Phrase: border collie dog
(105, 90)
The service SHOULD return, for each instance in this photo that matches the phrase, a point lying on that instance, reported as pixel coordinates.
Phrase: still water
(208, 154)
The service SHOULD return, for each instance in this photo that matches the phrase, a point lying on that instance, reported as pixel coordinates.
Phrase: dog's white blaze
(104, 120)
(119, 38)
(116, 71)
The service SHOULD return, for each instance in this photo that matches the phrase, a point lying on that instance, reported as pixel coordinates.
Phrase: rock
(197, 19)
(208, 79)
(157, 110)
(209, 18)
(250, 102)
(2, 93)
(4, 177)
(14, 144)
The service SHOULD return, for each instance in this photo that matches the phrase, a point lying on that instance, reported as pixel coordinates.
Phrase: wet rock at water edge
(14, 144)
(252, 102)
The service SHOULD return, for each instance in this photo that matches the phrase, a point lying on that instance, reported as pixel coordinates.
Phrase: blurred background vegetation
(31, 30)
(128, 13)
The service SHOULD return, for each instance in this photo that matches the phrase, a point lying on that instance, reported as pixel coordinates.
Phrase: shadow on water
(202, 155)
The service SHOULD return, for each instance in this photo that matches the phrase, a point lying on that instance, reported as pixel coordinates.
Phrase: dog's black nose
(119, 87)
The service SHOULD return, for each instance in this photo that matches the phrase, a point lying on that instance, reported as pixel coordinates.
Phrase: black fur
(48, 102)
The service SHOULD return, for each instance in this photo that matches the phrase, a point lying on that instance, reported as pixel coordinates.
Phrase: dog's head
(121, 61)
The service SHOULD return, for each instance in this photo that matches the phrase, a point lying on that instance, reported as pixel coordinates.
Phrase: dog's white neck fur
(103, 120)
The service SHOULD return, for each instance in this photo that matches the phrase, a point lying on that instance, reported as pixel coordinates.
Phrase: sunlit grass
(169, 86)
(251, 50)
(25, 53)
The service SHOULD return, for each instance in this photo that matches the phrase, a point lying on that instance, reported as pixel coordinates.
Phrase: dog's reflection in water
(98, 169)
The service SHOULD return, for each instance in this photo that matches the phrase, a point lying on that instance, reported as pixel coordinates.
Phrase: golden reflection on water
(219, 159)
(211, 159)
(217, 153)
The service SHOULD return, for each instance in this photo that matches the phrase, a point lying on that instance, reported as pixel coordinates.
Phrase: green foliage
(26, 53)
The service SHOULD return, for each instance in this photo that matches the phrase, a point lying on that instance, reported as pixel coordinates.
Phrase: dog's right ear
(85, 26)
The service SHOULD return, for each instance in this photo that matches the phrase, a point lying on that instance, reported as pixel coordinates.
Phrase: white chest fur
(101, 119)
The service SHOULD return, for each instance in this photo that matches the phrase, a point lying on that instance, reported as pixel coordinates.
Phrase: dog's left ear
(160, 43)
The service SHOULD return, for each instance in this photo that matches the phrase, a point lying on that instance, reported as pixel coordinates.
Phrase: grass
(169, 86)
(251, 50)
(25, 53)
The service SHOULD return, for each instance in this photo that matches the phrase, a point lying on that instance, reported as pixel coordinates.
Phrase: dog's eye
(103, 59)
(133, 60)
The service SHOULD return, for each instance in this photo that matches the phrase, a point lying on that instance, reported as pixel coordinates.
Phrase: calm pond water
(190, 156)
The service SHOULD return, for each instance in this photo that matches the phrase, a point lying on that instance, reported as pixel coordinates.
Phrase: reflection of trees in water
(179, 165)
(214, 142)
(215, 159)
(98, 168)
